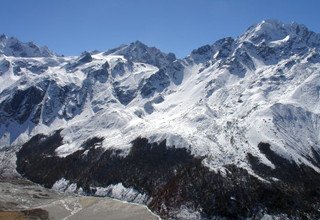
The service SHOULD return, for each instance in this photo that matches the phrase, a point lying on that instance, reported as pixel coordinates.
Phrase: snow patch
(118, 191)
(61, 185)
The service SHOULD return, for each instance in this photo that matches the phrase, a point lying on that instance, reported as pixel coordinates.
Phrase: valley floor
(21, 199)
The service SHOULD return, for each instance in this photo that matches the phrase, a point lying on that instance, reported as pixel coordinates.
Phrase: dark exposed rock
(171, 57)
(220, 50)
(20, 106)
(64, 101)
(106, 65)
(17, 70)
(148, 107)
(92, 142)
(34, 67)
(47, 100)
(123, 93)
(224, 47)
(4, 66)
(235, 67)
(11, 46)
(37, 114)
(17, 47)
(38, 68)
(316, 155)
(155, 83)
(101, 75)
(245, 59)
(202, 50)
(85, 57)
(118, 69)
(314, 58)
(139, 52)
(173, 178)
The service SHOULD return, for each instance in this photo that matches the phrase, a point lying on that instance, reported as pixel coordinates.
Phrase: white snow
(61, 185)
(215, 113)
(118, 191)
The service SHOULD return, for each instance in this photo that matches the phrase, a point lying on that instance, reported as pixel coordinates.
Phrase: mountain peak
(11, 46)
(127, 48)
(140, 52)
(85, 57)
(138, 44)
(3, 37)
(273, 30)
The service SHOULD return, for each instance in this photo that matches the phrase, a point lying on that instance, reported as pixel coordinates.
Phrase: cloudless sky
(72, 26)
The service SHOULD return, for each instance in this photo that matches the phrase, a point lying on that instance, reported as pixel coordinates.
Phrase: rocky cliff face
(13, 47)
(232, 130)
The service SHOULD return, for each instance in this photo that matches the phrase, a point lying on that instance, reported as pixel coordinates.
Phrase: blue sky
(72, 26)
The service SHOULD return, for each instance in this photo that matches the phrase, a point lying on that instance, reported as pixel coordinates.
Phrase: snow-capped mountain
(242, 110)
(13, 47)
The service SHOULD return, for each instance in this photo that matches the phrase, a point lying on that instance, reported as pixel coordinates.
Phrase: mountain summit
(13, 47)
(271, 30)
(139, 52)
(230, 131)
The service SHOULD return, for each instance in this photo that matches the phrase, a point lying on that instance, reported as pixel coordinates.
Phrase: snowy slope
(219, 102)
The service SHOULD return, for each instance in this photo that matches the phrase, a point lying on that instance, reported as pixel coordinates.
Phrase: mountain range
(230, 131)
